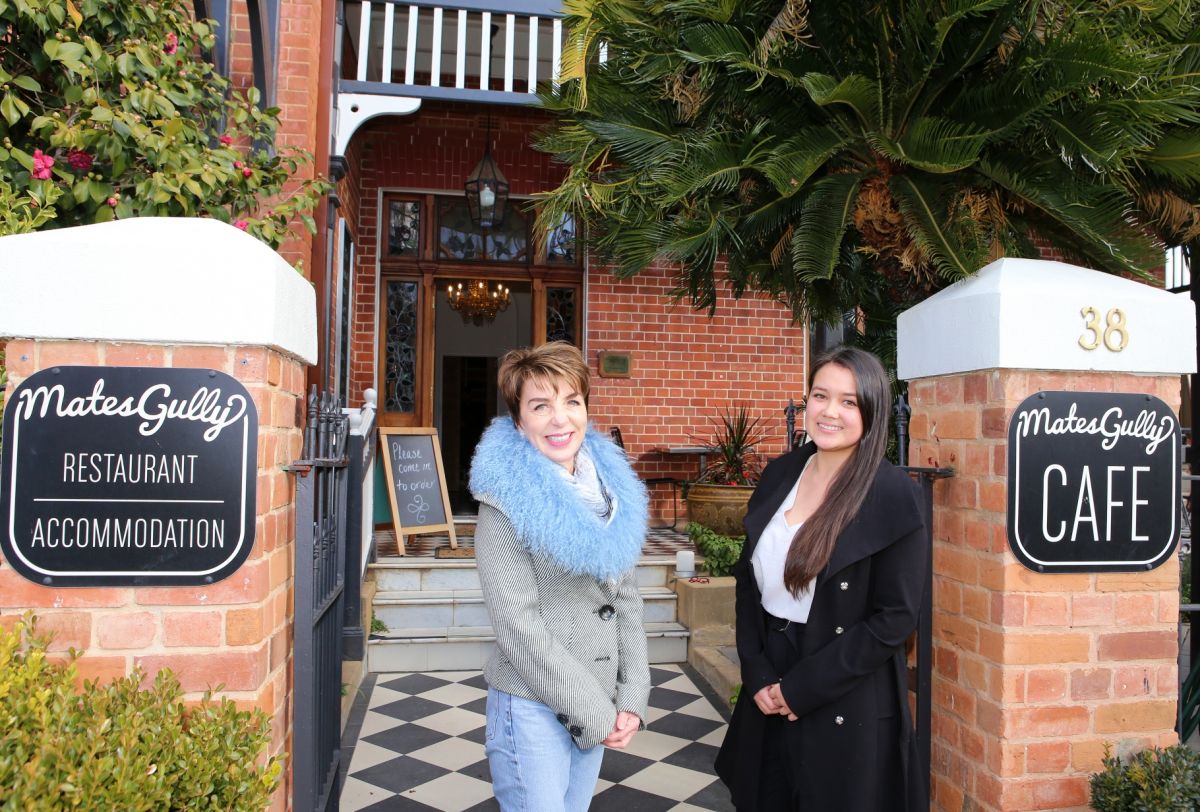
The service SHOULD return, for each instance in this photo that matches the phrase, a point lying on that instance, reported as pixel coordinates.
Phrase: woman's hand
(627, 724)
(780, 704)
(766, 701)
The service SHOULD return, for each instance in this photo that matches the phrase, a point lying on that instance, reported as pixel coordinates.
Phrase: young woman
(562, 518)
(829, 586)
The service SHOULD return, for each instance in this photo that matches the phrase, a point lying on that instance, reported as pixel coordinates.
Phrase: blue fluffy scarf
(510, 474)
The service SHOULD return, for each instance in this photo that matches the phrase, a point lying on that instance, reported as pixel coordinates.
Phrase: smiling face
(832, 417)
(554, 418)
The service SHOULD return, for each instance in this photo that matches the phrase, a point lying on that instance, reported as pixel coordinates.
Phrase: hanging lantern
(487, 191)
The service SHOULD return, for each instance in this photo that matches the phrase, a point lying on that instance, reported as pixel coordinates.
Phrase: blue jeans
(535, 764)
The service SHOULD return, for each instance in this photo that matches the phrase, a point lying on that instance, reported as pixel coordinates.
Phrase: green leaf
(101, 114)
(73, 94)
(28, 83)
(817, 241)
(926, 225)
(855, 91)
(790, 165)
(8, 109)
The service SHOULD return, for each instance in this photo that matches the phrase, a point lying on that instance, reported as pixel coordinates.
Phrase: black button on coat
(870, 760)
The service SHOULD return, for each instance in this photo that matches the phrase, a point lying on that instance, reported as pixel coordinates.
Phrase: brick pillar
(1034, 673)
(183, 294)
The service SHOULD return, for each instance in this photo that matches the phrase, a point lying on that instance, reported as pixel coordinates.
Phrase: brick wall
(1033, 673)
(688, 368)
(238, 631)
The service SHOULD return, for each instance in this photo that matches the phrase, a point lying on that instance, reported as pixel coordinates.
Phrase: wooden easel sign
(412, 461)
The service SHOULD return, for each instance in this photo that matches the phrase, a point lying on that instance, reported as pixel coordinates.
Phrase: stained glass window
(400, 373)
(561, 314)
(460, 239)
(560, 243)
(404, 228)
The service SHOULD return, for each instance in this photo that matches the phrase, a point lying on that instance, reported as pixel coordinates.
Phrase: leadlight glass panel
(460, 239)
(561, 314)
(400, 374)
(560, 243)
(404, 228)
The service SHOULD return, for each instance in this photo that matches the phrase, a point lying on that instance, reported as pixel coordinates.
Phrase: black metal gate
(321, 489)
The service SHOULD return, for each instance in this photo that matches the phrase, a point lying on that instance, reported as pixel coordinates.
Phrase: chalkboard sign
(128, 476)
(1093, 482)
(412, 461)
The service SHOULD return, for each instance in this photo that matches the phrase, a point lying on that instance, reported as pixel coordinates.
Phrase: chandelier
(478, 302)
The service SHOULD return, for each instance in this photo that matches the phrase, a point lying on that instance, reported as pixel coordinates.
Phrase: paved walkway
(415, 742)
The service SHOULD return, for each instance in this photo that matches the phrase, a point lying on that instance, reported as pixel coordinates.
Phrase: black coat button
(562, 719)
(606, 612)
(576, 731)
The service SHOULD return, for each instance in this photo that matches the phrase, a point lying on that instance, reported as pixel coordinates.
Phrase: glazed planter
(720, 508)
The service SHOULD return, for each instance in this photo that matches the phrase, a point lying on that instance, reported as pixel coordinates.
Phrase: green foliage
(120, 746)
(720, 552)
(842, 156)
(735, 695)
(732, 447)
(1166, 780)
(377, 625)
(107, 111)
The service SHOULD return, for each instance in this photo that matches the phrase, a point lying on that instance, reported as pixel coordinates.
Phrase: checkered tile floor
(659, 542)
(417, 744)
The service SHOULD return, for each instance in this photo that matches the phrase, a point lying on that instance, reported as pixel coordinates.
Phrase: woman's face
(554, 419)
(831, 415)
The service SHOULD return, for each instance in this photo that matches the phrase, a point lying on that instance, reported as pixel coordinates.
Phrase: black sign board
(122, 476)
(1093, 482)
(420, 503)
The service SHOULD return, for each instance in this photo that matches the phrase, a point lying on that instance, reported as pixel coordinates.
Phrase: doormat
(450, 552)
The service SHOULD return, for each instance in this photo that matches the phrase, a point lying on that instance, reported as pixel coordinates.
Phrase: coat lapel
(789, 467)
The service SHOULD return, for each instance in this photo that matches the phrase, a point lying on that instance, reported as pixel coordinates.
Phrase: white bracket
(355, 109)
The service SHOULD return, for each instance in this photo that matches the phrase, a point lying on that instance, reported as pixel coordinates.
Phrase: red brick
(1045, 685)
(1092, 610)
(1136, 610)
(1043, 722)
(1046, 610)
(1132, 681)
(1147, 645)
(66, 630)
(247, 585)
(18, 593)
(236, 670)
(201, 357)
(1141, 716)
(69, 353)
(1047, 757)
(1091, 683)
(191, 629)
(126, 631)
(244, 627)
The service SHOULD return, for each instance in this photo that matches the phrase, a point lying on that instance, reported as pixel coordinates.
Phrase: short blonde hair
(555, 362)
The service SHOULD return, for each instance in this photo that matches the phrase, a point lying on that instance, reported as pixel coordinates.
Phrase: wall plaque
(1093, 482)
(122, 476)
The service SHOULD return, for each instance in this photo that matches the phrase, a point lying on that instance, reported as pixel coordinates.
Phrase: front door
(437, 366)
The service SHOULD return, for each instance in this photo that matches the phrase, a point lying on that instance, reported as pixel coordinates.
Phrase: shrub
(119, 746)
(1161, 780)
(108, 109)
(720, 552)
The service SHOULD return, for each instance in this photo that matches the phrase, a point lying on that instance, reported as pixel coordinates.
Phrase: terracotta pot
(720, 508)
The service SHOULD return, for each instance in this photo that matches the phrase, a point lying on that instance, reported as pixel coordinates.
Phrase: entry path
(417, 744)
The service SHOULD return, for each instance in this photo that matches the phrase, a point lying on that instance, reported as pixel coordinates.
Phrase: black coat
(849, 683)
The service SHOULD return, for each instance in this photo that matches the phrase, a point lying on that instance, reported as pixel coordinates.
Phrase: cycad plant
(842, 155)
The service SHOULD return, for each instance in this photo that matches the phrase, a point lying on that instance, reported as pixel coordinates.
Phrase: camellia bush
(108, 109)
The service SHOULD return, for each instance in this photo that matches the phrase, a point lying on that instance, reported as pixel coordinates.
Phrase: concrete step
(426, 608)
(410, 574)
(466, 648)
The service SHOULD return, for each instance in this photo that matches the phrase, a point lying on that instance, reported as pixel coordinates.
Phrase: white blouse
(768, 561)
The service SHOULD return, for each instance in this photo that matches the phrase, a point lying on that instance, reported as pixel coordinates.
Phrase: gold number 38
(1114, 334)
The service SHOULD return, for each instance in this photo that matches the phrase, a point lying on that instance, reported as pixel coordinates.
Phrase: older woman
(562, 518)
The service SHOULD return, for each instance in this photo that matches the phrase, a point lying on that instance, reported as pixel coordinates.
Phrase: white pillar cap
(160, 280)
(1029, 314)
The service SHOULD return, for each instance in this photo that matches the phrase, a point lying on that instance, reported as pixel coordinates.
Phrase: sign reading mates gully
(117, 476)
(1093, 482)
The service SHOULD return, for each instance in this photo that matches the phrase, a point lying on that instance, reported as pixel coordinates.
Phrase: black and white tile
(418, 745)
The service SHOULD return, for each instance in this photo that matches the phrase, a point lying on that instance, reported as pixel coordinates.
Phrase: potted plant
(717, 499)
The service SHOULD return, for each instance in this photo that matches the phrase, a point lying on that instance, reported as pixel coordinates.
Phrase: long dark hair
(813, 544)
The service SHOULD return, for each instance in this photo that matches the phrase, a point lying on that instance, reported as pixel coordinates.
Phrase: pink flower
(79, 160)
(226, 139)
(112, 201)
(41, 165)
(241, 224)
(172, 44)
(237, 164)
(247, 172)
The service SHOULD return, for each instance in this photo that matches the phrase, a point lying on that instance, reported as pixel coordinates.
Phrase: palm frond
(924, 207)
(827, 212)
(790, 165)
(856, 92)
